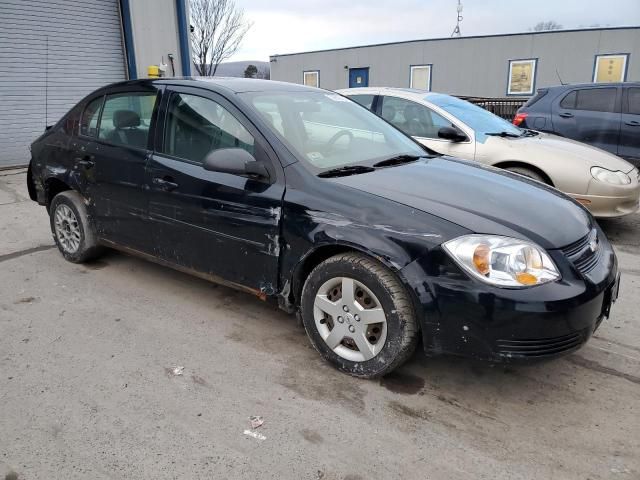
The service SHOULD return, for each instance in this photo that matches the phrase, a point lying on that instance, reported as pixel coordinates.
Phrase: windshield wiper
(503, 134)
(397, 160)
(530, 133)
(345, 171)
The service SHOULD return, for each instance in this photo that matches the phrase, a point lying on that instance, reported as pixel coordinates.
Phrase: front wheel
(359, 316)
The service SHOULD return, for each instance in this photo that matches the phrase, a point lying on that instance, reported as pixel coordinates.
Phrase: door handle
(632, 123)
(86, 161)
(566, 115)
(166, 183)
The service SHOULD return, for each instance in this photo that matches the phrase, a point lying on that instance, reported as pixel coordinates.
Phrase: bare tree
(264, 73)
(544, 26)
(218, 28)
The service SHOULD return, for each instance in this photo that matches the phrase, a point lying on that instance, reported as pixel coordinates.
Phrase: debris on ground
(255, 435)
(256, 421)
(174, 371)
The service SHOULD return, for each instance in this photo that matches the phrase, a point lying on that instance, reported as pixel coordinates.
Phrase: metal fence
(502, 107)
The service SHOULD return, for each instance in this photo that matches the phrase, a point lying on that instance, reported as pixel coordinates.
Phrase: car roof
(233, 84)
(405, 92)
(570, 86)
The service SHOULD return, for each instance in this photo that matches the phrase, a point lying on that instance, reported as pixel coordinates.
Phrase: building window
(522, 76)
(420, 77)
(311, 78)
(610, 68)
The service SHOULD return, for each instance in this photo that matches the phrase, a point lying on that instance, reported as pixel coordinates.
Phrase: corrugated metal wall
(38, 84)
(469, 66)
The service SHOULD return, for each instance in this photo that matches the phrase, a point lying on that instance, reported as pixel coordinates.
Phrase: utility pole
(456, 31)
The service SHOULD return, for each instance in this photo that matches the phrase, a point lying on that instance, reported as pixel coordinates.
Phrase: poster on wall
(610, 68)
(522, 75)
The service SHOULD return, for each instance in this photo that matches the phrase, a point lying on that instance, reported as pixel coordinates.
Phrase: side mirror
(451, 133)
(235, 161)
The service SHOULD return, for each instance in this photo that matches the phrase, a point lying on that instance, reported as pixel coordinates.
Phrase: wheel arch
(52, 187)
(516, 163)
(320, 253)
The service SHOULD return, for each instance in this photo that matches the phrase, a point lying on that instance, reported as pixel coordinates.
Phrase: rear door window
(412, 118)
(591, 99)
(365, 100)
(126, 118)
(196, 126)
(633, 101)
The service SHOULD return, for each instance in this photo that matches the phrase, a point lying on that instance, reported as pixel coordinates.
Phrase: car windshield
(327, 130)
(479, 119)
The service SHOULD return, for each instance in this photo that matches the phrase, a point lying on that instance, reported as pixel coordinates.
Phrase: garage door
(52, 53)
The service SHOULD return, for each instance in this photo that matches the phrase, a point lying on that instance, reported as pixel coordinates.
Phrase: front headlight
(609, 176)
(502, 261)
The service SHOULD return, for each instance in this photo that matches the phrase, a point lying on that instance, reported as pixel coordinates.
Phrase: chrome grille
(580, 253)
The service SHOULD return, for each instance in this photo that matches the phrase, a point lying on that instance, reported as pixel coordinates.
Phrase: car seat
(126, 131)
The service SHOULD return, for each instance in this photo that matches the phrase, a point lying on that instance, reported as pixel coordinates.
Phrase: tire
(75, 235)
(386, 345)
(525, 172)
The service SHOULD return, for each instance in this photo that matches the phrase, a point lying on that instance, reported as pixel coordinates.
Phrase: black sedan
(301, 196)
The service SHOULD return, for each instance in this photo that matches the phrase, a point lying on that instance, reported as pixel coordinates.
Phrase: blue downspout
(183, 34)
(128, 39)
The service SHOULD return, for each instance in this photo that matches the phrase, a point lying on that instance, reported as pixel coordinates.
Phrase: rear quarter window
(536, 98)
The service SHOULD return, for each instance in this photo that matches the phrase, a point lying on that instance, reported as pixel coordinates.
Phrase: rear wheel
(359, 316)
(72, 229)
(527, 172)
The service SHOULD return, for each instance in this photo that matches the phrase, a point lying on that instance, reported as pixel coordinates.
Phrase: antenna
(559, 78)
(46, 82)
(456, 31)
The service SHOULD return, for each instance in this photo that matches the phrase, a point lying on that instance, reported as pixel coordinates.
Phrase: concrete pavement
(87, 388)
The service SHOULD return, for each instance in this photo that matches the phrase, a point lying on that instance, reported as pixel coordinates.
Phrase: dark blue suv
(603, 115)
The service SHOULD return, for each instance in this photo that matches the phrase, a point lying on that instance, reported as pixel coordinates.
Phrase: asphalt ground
(89, 387)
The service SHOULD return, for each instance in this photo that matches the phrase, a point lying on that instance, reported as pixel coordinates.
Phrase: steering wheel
(340, 134)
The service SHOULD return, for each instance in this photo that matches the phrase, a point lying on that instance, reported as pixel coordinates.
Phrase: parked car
(606, 116)
(300, 196)
(606, 184)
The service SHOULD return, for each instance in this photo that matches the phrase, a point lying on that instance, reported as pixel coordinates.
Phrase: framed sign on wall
(311, 78)
(522, 76)
(610, 68)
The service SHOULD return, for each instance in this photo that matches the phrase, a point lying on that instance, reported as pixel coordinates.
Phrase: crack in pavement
(620, 344)
(591, 365)
(28, 251)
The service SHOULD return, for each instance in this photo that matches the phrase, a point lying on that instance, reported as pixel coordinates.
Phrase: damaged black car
(301, 196)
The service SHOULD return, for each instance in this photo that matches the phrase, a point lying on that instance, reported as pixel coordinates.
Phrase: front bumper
(604, 200)
(463, 316)
(610, 206)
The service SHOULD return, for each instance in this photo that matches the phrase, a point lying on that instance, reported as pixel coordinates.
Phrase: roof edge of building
(402, 42)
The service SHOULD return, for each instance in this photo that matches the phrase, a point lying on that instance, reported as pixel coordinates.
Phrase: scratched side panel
(216, 223)
(318, 213)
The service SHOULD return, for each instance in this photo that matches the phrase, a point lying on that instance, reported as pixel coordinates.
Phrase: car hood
(481, 199)
(548, 146)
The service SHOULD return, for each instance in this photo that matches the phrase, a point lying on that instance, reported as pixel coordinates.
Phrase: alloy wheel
(67, 229)
(350, 319)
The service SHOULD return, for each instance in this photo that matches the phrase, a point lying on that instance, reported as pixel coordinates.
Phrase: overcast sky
(289, 26)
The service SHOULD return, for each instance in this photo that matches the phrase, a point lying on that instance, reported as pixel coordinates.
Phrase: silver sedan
(604, 183)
